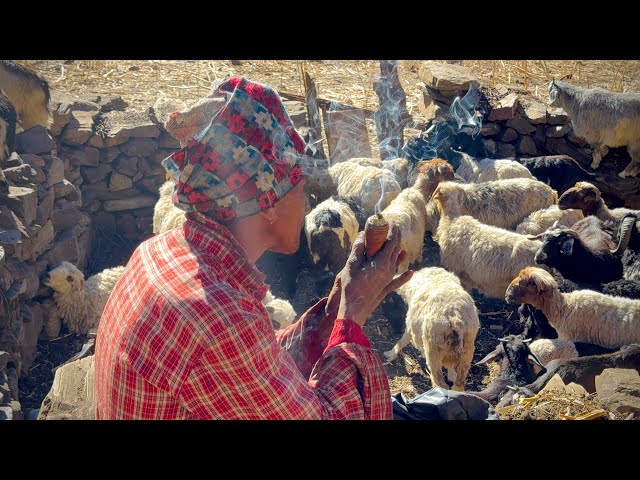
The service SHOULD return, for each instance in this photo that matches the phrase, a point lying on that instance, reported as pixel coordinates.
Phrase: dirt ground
(142, 82)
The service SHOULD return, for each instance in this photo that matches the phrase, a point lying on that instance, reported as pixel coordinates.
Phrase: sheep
(442, 322)
(280, 311)
(556, 349)
(585, 252)
(81, 303)
(540, 220)
(408, 211)
(372, 187)
(602, 118)
(483, 256)
(486, 170)
(560, 172)
(330, 229)
(517, 367)
(586, 197)
(581, 316)
(400, 169)
(29, 93)
(501, 203)
(8, 119)
(166, 215)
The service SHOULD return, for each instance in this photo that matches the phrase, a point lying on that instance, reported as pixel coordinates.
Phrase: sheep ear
(567, 246)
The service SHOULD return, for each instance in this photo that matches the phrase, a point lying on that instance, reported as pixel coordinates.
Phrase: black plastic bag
(441, 404)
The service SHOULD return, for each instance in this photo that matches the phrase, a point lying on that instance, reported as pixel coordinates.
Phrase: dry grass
(142, 82)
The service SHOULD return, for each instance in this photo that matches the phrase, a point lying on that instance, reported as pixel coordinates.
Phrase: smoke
(378, 208)
(463, 111)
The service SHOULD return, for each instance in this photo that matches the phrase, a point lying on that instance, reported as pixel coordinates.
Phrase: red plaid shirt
(184, 335)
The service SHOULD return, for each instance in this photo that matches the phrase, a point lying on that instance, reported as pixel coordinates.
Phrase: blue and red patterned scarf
(246, 160)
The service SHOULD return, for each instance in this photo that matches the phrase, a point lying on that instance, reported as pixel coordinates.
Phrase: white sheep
(166, 215)
(29, 93)
(81, 302)
(501, 203)
(580, 316)
(371, 186)
(586, 197)
(408, 210)
(442, 322)
(487, 169)
(604, 119)
(540, 220)
(280, 311)
(547, 349)
(484, 257)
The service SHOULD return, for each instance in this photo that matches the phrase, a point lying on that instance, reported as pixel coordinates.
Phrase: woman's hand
(361, 286)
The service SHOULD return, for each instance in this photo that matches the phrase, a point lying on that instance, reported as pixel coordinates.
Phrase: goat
(29, 93)
(8, 119)
(560, 172)
(602, 118)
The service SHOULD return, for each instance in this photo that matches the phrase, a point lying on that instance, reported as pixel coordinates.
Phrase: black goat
(560, 172)
(516, 367)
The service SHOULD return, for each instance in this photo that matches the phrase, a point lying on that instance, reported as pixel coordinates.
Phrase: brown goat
(29, 93)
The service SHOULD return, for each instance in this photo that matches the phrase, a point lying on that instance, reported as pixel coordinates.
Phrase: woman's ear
(270, 215)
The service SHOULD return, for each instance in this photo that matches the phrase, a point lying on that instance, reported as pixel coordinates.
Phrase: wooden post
(392, 115)
(311, 97)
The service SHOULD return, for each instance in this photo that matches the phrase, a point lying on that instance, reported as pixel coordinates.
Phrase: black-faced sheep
(604, 119)
(442, 322)
(484, 257)
(581, 316)
(502, 203)
(585, 252)
(330, 229)
(8, 119)
(80, 303)
(29, 93)
(560, 172)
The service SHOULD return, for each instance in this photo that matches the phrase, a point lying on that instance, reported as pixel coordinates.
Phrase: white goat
(603, 118)
(541, 220)
(29, 93)
(81, 302)
(487, 170)
(442, 322)
(369, 185)
(484, 257)
(501, 203)
(580, 316)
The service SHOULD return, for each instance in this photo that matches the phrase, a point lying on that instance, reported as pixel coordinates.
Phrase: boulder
(505, 108)
(79, 128)
(139, 201)
(35, 140)
(446, 77)
(23, 201)
(619, 390)
(71, 395)
(54, 169)
(522, 126)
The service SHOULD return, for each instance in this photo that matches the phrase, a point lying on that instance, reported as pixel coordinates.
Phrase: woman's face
(291, 211)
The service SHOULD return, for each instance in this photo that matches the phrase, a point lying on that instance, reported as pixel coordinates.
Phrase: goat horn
(535, 359)
(626, 227)
(527, 340)
(503, 339)
(536, 237)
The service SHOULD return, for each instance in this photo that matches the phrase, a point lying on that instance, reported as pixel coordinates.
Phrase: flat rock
(127, 166)
(96, 174)
(23, 201)
(71, 395)
(521, 125)
(119, 182)
(65, 215)
(139, 147)
(45, 204)
(30, 335)
(79, 128)
(67, 190)
(65, 247)
(22, 174)
(443, 77)
(490, 129)
(132, 203)
(13, 161)
(35, 140)
(556, 116)
(509, 135)
(533, 110)
(112, 103)
(619, 390)
(506, 150)
(23, 272)
(41, 240)
(527, 146)
(120, 126)
(54, 169)
(505, 108)
(88, 156)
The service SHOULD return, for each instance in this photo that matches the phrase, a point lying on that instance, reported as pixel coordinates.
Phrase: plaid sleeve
(245, 374)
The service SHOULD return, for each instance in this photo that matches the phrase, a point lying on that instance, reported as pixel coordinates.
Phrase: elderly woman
(184, 334)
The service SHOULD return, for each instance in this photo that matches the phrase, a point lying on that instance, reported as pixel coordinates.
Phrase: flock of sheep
(532, 232)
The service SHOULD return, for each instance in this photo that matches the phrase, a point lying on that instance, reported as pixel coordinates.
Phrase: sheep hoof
(623, 174)
(595, 165)
(390, 356)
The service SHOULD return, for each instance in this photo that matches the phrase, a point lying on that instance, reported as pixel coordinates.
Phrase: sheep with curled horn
(584, 252)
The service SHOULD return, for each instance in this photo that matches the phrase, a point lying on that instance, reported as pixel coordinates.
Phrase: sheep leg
(633, 169)
(599, 151)
(435, 366)
(392, 354)
(462, 369)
